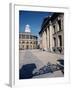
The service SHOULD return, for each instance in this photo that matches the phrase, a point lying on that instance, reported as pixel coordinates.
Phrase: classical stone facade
(52, 33)
(27, 41)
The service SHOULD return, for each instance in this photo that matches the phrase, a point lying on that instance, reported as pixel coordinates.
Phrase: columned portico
(52, 33)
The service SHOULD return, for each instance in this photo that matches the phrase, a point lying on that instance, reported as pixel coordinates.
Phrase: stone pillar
(57, 26)
(63, 44)
(47, 38)
(62, 22)
(45, 43)
(58, 42)
(42, 41)
(53, 42)
(51, 37)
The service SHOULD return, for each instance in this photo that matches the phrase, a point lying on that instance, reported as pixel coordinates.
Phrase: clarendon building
(52, 33)
(27, 40)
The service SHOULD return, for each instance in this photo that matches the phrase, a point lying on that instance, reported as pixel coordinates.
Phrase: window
(23, 42)
(30, 42)
(27, 42)
(23, 46)
(54, 42)
(34, 47)
(23, 36)
(60, 40)
(54, 28)
(33, 37)
(34, 42)
(62, 25)
(59, 23)
(27, 47)
(30, 36)
(27, 36)
(19, 35)
(31, 46)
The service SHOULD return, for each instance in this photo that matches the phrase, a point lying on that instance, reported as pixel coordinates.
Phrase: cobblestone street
(39, 58)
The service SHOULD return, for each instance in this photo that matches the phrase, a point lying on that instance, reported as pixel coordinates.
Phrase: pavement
(40, 58)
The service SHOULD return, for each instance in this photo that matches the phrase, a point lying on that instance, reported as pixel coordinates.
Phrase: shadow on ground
(50, 68)
(29, 70)
(61, 61)
(26, 71)
(61, 65)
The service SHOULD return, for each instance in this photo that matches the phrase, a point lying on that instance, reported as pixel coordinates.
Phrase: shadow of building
(26, 71)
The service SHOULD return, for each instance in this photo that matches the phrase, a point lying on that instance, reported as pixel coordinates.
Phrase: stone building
(27, 40)
(52, 33)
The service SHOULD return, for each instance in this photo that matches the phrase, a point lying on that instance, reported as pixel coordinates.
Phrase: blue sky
(33, 18)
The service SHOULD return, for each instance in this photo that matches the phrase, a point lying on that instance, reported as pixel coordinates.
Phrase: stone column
(58, 42)
(47, 38)
(57, 26)
(45, 43)
(42, 40)
(51, 37)
(62, 23)
(62, 43)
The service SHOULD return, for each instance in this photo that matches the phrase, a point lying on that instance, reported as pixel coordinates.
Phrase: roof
(47, 19)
